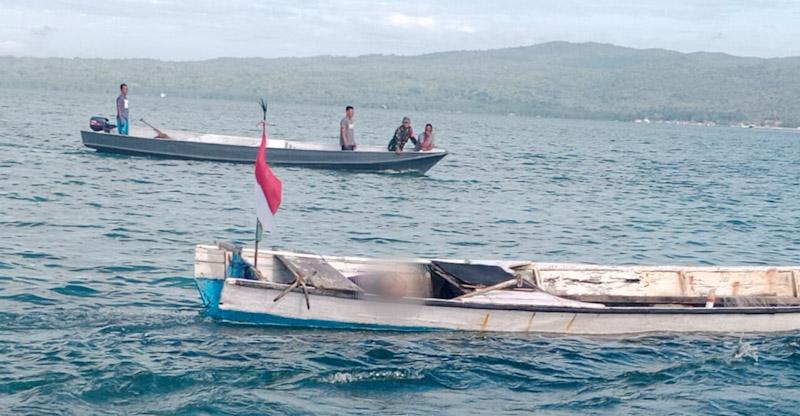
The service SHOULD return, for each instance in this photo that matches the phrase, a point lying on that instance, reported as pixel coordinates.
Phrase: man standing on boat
(122, 110)
(347, 136)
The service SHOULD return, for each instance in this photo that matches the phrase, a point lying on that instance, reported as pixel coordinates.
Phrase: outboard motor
(98, 123)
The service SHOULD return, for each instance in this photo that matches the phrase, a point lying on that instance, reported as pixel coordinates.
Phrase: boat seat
(318, 273)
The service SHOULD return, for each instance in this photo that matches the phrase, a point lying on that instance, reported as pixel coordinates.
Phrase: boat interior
(507, 282)
(254, 141)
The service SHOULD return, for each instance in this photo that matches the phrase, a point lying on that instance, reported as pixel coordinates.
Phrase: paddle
(159, 134)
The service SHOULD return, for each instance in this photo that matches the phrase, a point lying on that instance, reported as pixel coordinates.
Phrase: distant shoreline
(556, 80)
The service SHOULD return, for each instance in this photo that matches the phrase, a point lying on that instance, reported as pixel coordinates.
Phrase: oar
(159, 134)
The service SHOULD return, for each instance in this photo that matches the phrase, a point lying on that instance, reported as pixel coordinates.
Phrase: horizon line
(533, 45)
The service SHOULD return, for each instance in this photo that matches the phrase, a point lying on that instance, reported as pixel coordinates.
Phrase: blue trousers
(122, 126)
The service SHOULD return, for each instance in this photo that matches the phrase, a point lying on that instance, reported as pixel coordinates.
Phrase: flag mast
(259, 227)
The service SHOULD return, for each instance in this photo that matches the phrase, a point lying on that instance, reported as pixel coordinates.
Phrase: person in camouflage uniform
(403, 134)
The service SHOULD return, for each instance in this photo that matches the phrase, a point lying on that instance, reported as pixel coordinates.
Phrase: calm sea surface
(98, 312)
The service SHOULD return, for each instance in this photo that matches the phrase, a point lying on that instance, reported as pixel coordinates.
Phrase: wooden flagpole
(259, 228)
(258, 238)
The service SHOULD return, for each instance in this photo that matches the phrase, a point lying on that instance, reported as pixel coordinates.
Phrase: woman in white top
(425, 140)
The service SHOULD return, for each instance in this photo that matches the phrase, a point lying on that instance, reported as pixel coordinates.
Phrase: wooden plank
(684, 284)
(318, 273)
(796, 282)
(639, 269)
(759, 283)
(669, 283)
(685, 300)
(543, 266)
(537, 278)
(590, 282)
(264, 261)
(204, 269)
(208, 253)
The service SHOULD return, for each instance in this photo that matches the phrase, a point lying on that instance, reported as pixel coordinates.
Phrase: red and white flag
(268, 188)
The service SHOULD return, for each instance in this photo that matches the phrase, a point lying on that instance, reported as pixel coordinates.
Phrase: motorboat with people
(288, 289)
(238, 149)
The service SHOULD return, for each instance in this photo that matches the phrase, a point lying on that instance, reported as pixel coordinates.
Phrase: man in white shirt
(347, 136)
(122, 110)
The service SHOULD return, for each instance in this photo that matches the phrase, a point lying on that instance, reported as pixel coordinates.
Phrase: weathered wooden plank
(208, 253)
(686, 283)
(687, 300)
(205, 269)
(264, 260)
(665, 283)
(318, 273)
(754, 283)
(664, 268)
(590, 282)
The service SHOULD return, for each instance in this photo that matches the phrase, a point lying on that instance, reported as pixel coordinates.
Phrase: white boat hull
(252, 302)
(242, 302)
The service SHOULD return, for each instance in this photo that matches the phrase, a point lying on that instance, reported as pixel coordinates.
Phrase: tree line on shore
(557, 79)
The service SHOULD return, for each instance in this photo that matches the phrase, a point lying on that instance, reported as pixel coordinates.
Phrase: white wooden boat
(304, 290)
(237, 149)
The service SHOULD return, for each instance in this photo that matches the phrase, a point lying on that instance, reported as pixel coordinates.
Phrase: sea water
(99, 315)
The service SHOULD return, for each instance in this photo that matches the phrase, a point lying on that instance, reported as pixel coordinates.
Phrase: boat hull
(234, 153)
(250, 302)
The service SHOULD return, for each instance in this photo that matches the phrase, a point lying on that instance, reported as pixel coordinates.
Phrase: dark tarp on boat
(449, 280)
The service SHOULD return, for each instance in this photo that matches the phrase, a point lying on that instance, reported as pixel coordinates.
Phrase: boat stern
(210, 290)
(209, 275)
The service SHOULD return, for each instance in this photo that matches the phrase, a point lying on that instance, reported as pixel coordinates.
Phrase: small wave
(379, 240)
(172, 231)
(128, 268)
(34, 198)
(117, 235)
(468, 243)
(174, 281)
(26, 223)
(346, 377)
(744, 351)
(76, 290)
(31, 298)
(38, 255)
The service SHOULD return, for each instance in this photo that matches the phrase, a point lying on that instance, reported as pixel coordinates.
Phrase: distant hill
(557, 79)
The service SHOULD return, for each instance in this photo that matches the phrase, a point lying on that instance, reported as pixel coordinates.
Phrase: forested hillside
(555, 79)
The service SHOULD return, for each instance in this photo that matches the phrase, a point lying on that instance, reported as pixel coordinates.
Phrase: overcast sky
(202, 29)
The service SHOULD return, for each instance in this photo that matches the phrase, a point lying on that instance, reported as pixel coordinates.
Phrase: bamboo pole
(299, 279)
(499, 286)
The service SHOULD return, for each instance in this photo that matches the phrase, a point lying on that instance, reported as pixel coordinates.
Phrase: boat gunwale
(629, 310)
(517, 265)
(413, 155)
